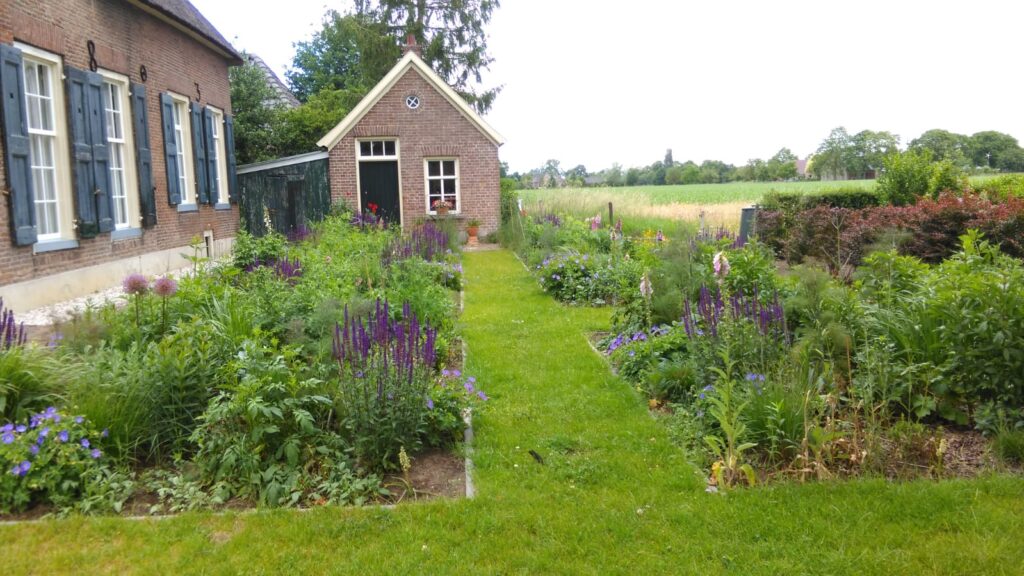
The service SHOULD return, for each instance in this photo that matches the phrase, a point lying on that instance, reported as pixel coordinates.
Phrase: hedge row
(930, 229)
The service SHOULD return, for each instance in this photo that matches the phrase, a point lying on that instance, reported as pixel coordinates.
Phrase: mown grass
(612, 497)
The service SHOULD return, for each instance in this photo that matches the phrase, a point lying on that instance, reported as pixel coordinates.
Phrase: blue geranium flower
(7, 438)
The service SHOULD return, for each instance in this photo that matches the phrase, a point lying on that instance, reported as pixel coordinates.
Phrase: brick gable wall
(125, 38)
(435, 129)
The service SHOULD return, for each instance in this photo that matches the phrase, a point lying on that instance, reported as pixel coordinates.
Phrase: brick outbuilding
(412, 146)
(117, 148)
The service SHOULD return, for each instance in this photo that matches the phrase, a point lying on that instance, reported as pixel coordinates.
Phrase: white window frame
(220, 155)
(182, 126)
(374, 155)
(427, 179)
(129, 178)
(58, 140)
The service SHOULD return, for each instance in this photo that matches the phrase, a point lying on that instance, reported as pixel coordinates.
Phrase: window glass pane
(434, 187)
(433, 168)
(364, 148)
(449, 187)
(451, 200)
(31, 78)
(389, 148)
(378, 148)
(449, 167)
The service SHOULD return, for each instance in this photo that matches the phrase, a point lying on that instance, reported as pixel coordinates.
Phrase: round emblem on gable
(412, 101)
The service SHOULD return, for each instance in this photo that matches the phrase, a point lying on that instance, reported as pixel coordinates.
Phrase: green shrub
(835, 198)
(266, 437)
(249, 249)
(25, 383)
(55, 458)
(587, 278)
(1008, 445)
(1000, 188)
(906, 176)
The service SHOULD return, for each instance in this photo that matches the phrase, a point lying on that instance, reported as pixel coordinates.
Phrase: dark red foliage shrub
(840, 236)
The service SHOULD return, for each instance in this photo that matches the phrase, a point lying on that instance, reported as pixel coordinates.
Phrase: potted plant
(473, 227)
(441, 207)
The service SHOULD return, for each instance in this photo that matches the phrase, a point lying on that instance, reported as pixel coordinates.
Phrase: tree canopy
(451, 35)
(351, 52)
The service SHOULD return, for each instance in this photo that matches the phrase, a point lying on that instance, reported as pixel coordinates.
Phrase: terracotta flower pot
(472, 231)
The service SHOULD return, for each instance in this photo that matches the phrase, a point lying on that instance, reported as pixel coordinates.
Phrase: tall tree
(782, 166)
(868, 150)
(256, 114)
(350, 52)
(987, 147)
(944, 145)
(451, 34)
(831, 158)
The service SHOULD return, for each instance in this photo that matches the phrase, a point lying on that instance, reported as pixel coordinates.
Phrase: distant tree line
(840, 156)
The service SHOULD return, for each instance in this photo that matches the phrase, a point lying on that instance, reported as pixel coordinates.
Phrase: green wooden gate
(291, 192)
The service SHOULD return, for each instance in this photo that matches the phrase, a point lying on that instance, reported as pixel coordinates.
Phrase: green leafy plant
(55, 458)
(729, 448)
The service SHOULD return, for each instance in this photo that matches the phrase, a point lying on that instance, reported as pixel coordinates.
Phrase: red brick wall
(435, 129)
(126, 38)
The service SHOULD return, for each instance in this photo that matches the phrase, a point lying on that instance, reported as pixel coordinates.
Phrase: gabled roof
(282, 94)
(413, 62)
(183, 15)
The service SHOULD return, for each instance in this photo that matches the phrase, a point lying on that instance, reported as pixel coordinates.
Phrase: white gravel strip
(66, 310)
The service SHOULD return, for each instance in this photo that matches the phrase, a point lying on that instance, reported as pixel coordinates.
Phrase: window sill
(53, 246)
(450, 216)
(125, 234)
(188, 208)
(222, 206)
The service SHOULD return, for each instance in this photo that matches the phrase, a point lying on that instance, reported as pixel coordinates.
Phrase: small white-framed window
(48, 143)
(121, 150)
(442, 179)
(219, 155)
(183, 143)
(377, 149)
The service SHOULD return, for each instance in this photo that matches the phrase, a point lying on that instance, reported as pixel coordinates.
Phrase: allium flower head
(135, 284)
(165, 287)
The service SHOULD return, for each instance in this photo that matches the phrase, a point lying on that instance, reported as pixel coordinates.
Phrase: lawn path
(612, 497)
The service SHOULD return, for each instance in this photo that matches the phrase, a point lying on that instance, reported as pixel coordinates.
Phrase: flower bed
(883, 366)
(308, 372)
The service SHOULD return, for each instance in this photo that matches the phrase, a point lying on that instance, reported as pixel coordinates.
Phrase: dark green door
(378, 183)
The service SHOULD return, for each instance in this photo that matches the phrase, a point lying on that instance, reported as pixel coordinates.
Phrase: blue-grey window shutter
(81, 152)
(212, 154)
(143, 156)
(199, 154)
(100, 152)
(170, 149)
(229, 145)
(16, 147)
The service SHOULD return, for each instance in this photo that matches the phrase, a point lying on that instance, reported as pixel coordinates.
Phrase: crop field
(719, 203)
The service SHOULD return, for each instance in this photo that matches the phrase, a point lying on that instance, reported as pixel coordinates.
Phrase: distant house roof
(284, 95)
(801, 166)
(411, 61)
(184, 15)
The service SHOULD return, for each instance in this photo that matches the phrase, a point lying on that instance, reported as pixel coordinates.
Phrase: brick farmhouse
(117, 148)
(413, 146)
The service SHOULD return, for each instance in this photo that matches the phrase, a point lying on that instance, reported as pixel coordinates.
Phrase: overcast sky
(713, 79)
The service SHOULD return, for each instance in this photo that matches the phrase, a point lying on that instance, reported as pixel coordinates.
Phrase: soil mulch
(435, 474)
